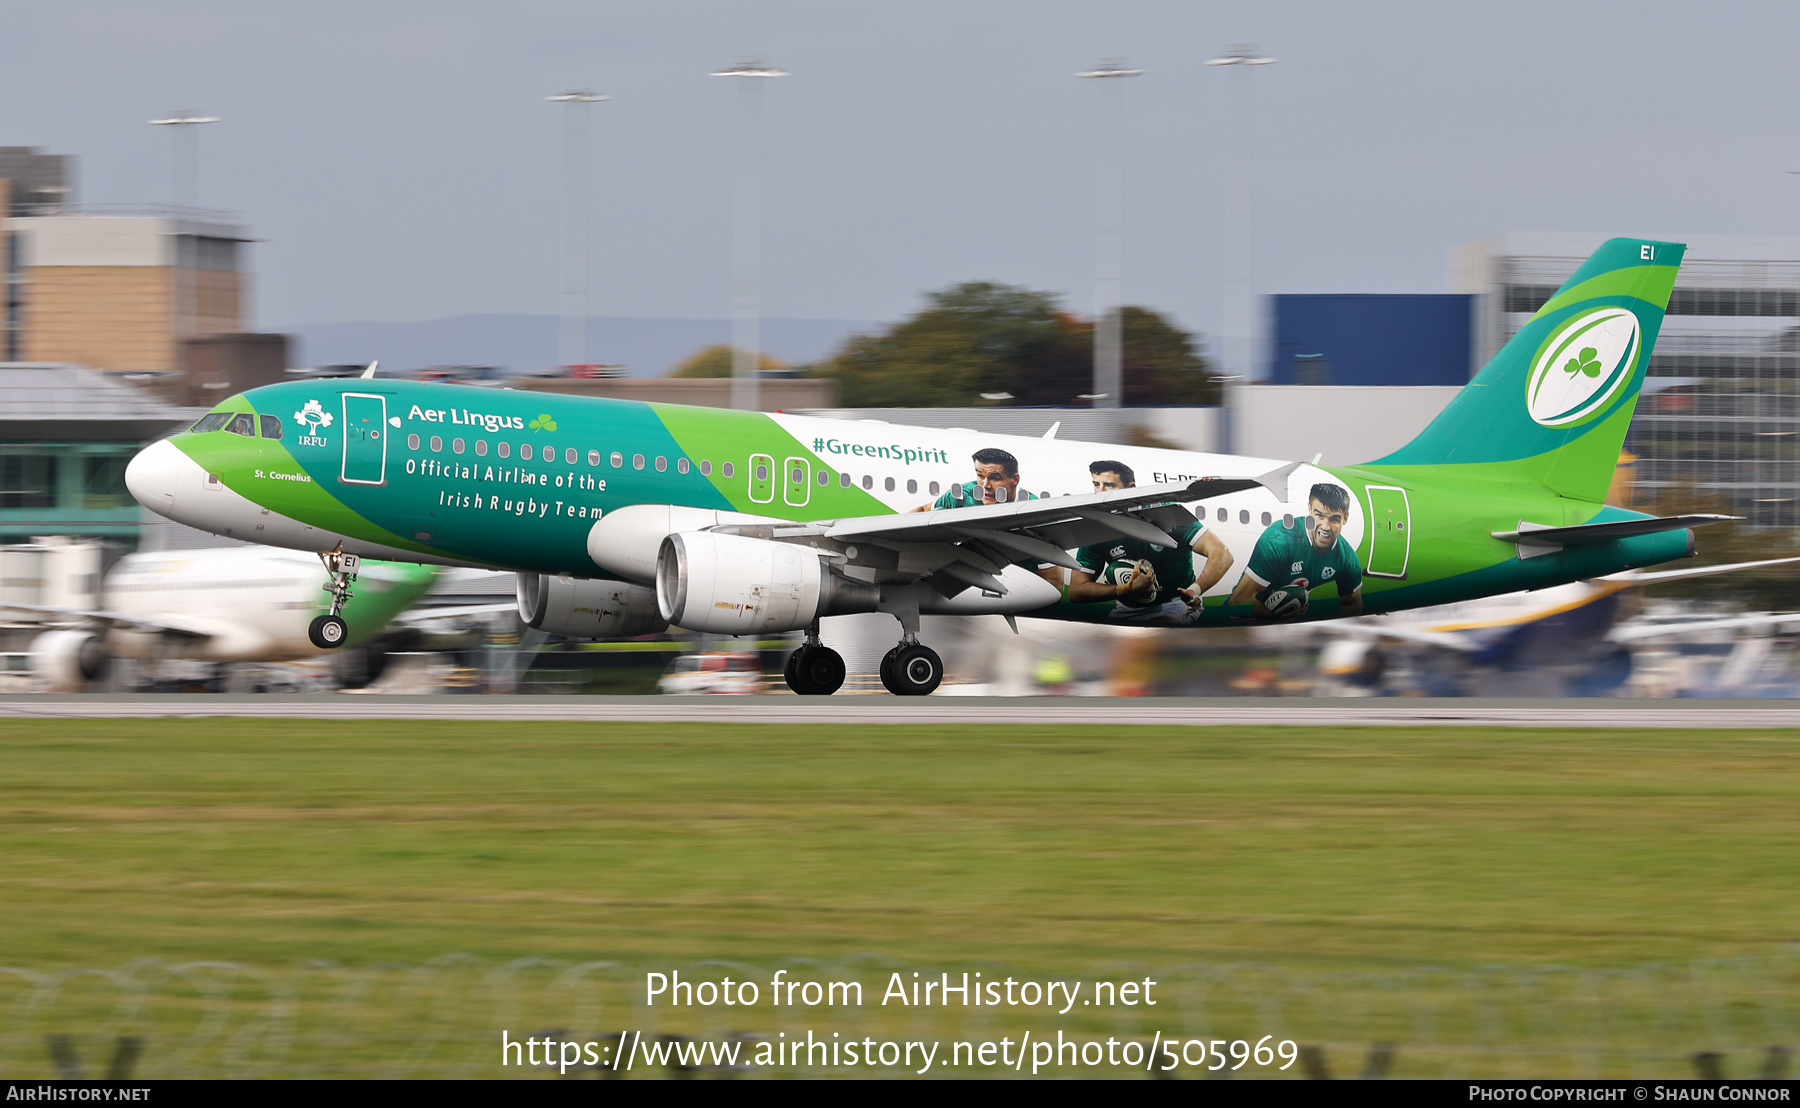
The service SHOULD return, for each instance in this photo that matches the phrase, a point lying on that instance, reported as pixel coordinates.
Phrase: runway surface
(1372, 712)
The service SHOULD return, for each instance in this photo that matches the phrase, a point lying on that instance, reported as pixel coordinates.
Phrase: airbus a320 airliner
(621, 518)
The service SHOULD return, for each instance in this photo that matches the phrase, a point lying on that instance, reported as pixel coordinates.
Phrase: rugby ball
(1286, 602)
(1124, 571)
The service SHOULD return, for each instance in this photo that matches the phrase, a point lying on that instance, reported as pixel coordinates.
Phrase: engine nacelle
(732, 585)
(628, 540)
(65, 661)
(587, 609)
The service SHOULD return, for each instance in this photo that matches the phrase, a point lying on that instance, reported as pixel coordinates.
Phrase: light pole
(747, 249)
(1109, 203)
(1239, 206)
(184, 155)
(573, 345)
(184, 197)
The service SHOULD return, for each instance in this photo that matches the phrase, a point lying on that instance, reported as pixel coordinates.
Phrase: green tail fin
(1554, 404)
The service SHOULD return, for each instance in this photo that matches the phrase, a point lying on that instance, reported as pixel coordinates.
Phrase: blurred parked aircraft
(221, 605)
(1577, 623)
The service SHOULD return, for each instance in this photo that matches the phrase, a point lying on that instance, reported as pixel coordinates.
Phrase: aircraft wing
(1640, 577)
(1047, 529)
(1445, 639)
(1639, 633)
(196, 629)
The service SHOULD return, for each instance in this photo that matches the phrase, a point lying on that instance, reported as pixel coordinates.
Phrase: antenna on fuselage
(370, 372)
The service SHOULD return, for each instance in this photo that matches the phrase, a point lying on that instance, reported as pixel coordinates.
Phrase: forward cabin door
(1390, 531)
(365, 439)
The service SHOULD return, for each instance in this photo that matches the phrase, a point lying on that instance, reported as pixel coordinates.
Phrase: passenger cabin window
(868, 482)
(705, 468)
(935, 488)
(1266, 519)
(456, 445)
(1243, 517)
(212, 421)
(681, 465)
(888, 484)
(412, 442)
(911, 486)
(242, 424)
(481, 448)
(824, 478)
(593, 457)
(271, 427)
(503, 449)
(437, 443)
(662, 464)
(637, 461)
(1222, 515)
(618, 459)
(525, 451)
(726, 470)
(762, 473)
(569, 456)
(843, 480)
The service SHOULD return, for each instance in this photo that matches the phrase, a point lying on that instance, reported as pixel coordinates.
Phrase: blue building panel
(1357, 339)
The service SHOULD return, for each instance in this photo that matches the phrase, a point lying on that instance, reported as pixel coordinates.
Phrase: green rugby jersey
(1286, 558)
(1174, 566)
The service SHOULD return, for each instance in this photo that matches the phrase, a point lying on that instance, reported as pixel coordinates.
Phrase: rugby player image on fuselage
(996, 482)
(1294, 557)
(1151, 584)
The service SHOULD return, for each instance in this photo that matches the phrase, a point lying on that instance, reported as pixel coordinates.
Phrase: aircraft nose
(152, 474)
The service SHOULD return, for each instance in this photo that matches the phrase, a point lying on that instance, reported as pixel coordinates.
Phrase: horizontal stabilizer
(1536, 538)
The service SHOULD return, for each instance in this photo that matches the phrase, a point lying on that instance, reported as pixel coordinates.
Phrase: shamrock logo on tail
(1588, 363)
(543, 423)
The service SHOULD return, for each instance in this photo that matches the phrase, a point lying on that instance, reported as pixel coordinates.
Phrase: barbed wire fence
(1736, 1017)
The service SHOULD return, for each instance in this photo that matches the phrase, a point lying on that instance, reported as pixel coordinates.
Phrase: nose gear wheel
(330, 630)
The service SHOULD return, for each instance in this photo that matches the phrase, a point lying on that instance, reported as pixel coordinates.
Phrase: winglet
(1276, 479)
(370, 372)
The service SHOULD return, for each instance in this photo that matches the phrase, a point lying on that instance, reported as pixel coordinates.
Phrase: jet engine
(583, 608)
(733, 585)
(67, 660)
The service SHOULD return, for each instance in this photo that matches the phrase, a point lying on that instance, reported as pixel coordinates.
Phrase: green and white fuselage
(525, 481)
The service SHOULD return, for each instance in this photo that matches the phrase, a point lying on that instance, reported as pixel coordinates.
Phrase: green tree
(715, 361)
(984, 337)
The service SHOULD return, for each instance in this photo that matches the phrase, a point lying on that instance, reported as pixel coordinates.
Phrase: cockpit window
(212, 421)
(242, 424)
(271, 427)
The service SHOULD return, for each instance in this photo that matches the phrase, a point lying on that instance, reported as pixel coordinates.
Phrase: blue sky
(400, 163)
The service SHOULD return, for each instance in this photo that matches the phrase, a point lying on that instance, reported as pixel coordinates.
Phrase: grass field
(1056, 851)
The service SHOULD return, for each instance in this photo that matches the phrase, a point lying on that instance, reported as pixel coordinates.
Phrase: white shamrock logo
(313, 416)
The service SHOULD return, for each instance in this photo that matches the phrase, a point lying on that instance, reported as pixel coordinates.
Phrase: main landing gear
(911, 669)
(329, 631)
(815, 669)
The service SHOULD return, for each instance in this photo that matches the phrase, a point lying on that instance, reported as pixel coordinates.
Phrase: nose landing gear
(815, 669)
(329, 631)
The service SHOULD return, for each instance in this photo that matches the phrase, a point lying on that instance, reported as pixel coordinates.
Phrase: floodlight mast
(746, 393)
(573, 345)
(1239, 208)
(184, 155)
(1109, 204)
